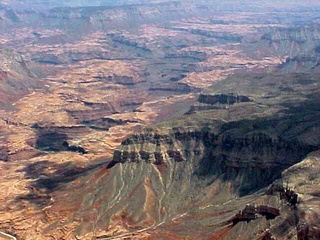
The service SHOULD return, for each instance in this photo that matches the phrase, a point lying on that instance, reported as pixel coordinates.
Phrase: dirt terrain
(166, 120)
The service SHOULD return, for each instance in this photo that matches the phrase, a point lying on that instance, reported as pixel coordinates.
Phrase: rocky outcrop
(290, 196)
(128, 42)
(227, 37)
(18, 76)
(56, 138)
(97, 111)
(294, 41)
(251, 212)
(297, 34)
(4, 153)
(257, 158)
(8, 16)
(225, 99)
(235, 156)
(181, 179)
(174, 87)
(305, 63)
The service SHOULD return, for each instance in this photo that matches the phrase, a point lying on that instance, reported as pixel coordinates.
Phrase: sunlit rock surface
(111, 127)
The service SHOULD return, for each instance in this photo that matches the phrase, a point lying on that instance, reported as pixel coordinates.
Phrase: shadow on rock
(49, 177)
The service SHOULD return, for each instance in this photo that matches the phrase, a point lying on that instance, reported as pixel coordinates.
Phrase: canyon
(159, 120)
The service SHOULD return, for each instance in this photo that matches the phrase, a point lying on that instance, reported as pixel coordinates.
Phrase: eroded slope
(186, 178)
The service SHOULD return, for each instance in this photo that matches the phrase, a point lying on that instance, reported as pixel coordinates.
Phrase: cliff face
(250, 161)
(299, 41)
(304, 178)
(7, 15)
(18, 76)
(299, 45)
(125, 16)
(297, 34)
(190, 177)
(200, 170)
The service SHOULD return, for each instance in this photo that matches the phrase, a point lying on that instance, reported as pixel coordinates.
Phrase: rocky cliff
(294, 41)
(236, 166)
(7, 15)
(18, 76)
(255, 158)
(124, 17)
(201, 169)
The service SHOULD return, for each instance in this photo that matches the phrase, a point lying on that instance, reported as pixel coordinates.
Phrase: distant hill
(7, 15)
(42, 4)
(18, 76)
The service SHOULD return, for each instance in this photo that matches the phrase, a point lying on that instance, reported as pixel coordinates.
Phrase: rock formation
(159, 120)
(18, 76)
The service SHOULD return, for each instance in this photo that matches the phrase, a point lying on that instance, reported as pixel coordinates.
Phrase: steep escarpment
(304, 179)
(255, 133)
(7, 15)
(204, 174)
(294, 41)
(298, 34)
(18, 76)
(124, 16)
(198, 171)
(211, 148)
(255, 158)
(299, 45)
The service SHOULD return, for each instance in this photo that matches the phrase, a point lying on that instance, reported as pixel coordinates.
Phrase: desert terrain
(159, 120)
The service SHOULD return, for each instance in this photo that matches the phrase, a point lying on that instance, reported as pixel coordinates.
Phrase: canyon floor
(160, 121)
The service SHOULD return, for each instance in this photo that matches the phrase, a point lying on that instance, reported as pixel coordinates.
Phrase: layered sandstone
(79, 161)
